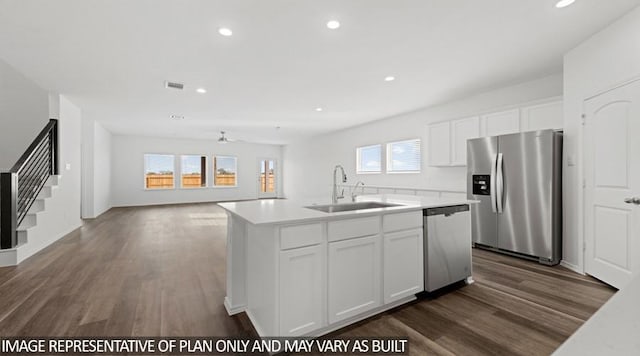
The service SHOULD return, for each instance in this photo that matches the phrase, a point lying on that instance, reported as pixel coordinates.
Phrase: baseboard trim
(572, 267)
(21, 258)
(232, 310)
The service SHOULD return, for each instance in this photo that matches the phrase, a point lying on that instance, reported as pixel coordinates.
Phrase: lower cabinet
(302, 289)
(354, 279)
(403, 264)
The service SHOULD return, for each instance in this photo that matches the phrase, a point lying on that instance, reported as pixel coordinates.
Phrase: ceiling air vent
(173, 85)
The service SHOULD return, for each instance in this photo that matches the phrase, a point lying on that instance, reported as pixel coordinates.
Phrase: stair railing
(20, 187)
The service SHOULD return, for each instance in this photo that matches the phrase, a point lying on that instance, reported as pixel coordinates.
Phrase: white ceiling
(111, 57)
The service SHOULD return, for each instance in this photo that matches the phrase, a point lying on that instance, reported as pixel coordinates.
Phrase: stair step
(53, 180)
(38, 206)
(29, 221)
(45, 192)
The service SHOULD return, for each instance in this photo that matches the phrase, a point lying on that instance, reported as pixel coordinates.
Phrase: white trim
(572, 267)
(231, 310)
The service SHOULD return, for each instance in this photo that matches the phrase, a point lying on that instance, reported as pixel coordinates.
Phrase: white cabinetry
(448, 141)
(354, 277)
(403, 268)
(439, 146)
(403, 264)
(301, 290)
(461, 131)
(500, 123)
(542, 116)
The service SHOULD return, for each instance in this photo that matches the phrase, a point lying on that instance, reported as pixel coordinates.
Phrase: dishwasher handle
(445, 210)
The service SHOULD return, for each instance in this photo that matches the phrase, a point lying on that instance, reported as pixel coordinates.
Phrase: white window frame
(206, 164)
(213, 177)
(144, 171)
(358, 158)
(389, 152)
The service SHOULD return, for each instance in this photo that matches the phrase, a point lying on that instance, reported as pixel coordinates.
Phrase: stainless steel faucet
(334, 196)
(354, 188)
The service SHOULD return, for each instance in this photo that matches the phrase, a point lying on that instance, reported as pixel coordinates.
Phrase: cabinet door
(301, 290)
(542, 116)
(403, 264)
(439, 145)
(354, 277)
(500, 123)
(461, 131)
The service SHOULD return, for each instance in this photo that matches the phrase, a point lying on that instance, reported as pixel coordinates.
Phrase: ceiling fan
(223, 139)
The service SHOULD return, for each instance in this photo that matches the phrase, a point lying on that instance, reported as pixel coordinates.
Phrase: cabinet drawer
(346, 229)
(402, 221)
(300, 235)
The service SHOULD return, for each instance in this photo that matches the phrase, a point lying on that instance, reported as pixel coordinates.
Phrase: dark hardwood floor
(160, 271)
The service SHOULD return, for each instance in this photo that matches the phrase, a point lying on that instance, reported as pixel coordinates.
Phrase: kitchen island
(298, 271)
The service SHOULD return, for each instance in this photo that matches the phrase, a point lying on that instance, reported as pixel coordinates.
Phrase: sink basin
(334, 208)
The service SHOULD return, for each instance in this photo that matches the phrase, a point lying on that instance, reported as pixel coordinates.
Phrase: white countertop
(612, 330)
(276, 211)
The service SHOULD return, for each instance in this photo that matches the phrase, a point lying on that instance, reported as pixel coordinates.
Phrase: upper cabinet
(447, 140)
(447, 144)
(439, 146)
(500, 123)
(542, 116)
(461, 131)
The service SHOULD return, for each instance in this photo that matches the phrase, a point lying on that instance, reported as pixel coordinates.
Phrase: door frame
(259, 193)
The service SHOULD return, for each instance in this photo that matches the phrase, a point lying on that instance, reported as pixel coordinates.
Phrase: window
(403, 156)
(193, 171)
(369, 159)
(225, 170)
(158, 171)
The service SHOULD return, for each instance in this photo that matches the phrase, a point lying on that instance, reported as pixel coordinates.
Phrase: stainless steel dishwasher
(447, 246)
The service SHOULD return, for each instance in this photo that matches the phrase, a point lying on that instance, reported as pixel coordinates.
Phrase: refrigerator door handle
(492, 184)
(499, 184)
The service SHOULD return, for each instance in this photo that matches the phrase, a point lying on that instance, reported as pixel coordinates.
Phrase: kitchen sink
(334, 208)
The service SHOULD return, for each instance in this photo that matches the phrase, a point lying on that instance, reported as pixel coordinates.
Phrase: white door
(403, 264)
(612, 174)
(301, 286)
(267, 178)
(354, 277)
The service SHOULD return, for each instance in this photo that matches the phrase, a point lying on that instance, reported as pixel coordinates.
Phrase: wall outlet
(67, 166)
(571, 161)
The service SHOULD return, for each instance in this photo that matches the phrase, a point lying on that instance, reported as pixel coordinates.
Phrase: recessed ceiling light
(177, 117)
(318, 109)
(333, 24)
(389, 78)
(564, 3)
(225, 31)
(201, 90)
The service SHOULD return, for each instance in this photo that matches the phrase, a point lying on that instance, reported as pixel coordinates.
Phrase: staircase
(24, 192)
(29, 227)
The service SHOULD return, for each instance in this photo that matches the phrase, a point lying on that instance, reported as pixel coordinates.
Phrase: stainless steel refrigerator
(518, 180)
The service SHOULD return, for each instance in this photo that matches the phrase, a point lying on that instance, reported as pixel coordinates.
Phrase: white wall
(607, 59)
(96, 169)
(127, 169)
(308, 165)
(102, 170)
(24, 111)
(62, 210)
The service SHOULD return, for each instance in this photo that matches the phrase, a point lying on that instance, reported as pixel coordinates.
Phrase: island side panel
(262, 279)
(236, 299)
